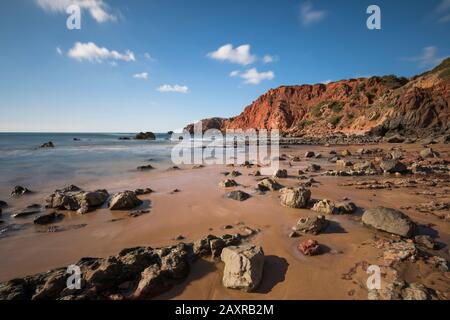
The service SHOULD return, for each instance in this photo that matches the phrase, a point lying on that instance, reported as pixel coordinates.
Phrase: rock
(396, 154)
(238, 195)
(294, 234)
(48, 218)
(428, 153)
(393, 166)
(346, 153)
(256, 173)
(3, 204)
(151, 283)
(362, 166)
(389, 220)
(296, 197)
(124, 201)
(198, 166)
(312, 225)
(140, 192)
(243, 267)
(217, 246)
(138, 213)
(228, 183)
(415, 291)
(30, 210)
(19, 191)
(395, 139)
(280, 173)
(329, 207)
(344, 163)
(309, 154)
(47, 145)
(145, 136)
(72, 198)
(313, 167)
(235, 173)
(268, 184)
(145, 168)
(391, 291)
(180, 238)
(309, 247)
(426, 241)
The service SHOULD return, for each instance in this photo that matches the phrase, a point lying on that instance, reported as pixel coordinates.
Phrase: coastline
(201, 205)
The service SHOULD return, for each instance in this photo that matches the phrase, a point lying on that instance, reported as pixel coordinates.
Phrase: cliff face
(377, 105)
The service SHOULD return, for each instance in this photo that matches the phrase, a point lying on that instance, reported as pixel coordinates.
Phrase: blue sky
(156, 65)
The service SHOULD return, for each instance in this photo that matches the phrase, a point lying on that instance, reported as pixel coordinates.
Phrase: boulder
(238, 195)
(235, 173)
(48, 218)
(296, 197)
(312, 225)
(280, 173)
(312, 167)
(309, 154)
(426, 241)
(228, 183)
(19, 191)
(326, 206)
(145, 168)
(362, 166)
(243, 267)
(145, 136)
(346, 153)
(309, 247)
(396, 154)
(344, 163)
(268, 184)
(73, 198)
(3, 204)
(389, 220)
(393, 166)
(125, 200)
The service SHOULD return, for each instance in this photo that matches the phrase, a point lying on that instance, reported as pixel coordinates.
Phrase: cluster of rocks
(145, 136)
(47, 145)
(75, 199)
(143, 272)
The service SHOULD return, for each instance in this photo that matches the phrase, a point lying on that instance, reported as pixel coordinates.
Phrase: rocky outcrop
(243, 267)
(211, 123)
(145, 136)
(326, 206)
(387, 106)
(312, 225)
(389, 220)
(47, 145)
(238, 195)
(19, 191)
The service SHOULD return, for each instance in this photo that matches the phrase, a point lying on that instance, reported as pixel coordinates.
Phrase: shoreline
(201, 205)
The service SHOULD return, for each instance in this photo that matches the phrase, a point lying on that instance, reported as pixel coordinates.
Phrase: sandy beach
(200, 207)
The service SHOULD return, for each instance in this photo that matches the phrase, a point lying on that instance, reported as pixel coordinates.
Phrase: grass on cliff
(335, 120)
(304, 123)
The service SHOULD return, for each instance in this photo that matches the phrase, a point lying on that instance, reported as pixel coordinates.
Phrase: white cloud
(173, 88)
(148, 56)
(309, 15)
(252, 76)
(59, 51)
(98, 9)
(234, 73)
(240, 55)
(428, 58)
(442, 11)
(142, 76)
(91, 52)
(269, 59)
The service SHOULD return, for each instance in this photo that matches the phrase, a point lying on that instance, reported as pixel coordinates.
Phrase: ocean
(76, 155)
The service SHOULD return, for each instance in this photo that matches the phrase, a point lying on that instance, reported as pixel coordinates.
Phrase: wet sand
(201, 205)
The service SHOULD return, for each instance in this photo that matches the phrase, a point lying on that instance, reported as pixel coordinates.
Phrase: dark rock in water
(170, 132)
(47, 145)
(124, 138)
(48, 218)
(138, 213)
(73, 198)
(27, 212)
(145, 136)
(140, 192)
(19, 191)
(3, 204)
(393, 166)
(145, 168)
(124, 201)
(238, 195)
(76, 139)
(389, 220)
